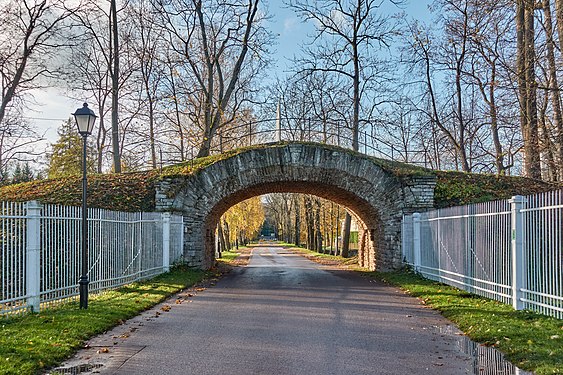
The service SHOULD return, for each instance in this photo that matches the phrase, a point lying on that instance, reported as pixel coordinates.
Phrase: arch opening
(366, 216)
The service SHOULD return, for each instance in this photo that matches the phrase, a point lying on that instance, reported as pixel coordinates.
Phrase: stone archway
(374, 195)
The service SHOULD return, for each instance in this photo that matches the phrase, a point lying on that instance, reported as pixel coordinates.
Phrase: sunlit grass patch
(228, 256)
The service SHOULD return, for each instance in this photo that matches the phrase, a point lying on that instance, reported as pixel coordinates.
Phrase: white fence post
(32, 255)
(166, 241)
(416, 241)
(518, 263)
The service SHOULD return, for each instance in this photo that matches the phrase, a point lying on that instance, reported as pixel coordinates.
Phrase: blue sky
(292, 32)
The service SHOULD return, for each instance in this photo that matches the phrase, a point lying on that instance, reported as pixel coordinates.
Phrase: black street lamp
(85, 119)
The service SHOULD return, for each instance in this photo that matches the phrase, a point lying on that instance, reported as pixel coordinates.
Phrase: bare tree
(553, 85)
(463, 74)
(348, 33)
(147, 49)
(30, 34)
(100, 35)
(527, 86)
(492, 28)
(222, 45)
(115, 78)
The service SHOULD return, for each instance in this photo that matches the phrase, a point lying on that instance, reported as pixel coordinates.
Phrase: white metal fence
(40, 253)
(510, 250)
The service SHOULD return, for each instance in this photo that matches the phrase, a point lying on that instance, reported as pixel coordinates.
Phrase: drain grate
(74, 370)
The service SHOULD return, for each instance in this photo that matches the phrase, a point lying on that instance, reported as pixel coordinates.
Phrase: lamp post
(85, 119)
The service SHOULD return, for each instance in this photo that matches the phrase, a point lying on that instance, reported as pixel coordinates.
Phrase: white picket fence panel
(40, 251)
(509, 250)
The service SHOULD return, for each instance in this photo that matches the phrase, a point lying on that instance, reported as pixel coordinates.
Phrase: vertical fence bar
(182, 231)
(407, 240)
(33, 246)
(416, 241)
(166, 241)
(518, 271)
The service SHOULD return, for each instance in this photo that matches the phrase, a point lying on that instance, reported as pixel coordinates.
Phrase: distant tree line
(240, 224)
(309, 221)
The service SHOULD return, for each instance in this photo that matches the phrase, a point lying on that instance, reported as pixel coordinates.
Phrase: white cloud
(290, 24)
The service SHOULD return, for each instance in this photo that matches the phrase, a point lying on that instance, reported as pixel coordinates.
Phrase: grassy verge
(31, 343)
(228, 256)
(531, 341)
(322, 258)
(236, 258)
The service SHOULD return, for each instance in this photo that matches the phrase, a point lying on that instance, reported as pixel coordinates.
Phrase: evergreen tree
(22, 173)
(66, 157)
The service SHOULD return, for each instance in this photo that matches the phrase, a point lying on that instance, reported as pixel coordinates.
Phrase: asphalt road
(283, 314)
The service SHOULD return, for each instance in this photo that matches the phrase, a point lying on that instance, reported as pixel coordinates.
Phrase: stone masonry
(376, 197)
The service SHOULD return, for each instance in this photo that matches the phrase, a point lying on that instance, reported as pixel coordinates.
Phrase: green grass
(228, 256)
(531, 341)
(320, 256)
(34, 342)
(286, 244)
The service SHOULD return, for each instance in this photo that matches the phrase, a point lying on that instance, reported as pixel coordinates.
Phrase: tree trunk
(337, 222)
(221, 234)
(152, 141)
(499, 155)
(178, 122)
(521, 66)
(227, 233)
(532, 165)
(310, 223)
(100, 139)
(318, 230)
(346, 235)
(554, 83)
(461, 152)
(115, 89)
(297, 232)
(546, 144)
(330, 236)
(222, 94)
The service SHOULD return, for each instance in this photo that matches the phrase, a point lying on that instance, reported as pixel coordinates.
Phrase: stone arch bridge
(375, 192)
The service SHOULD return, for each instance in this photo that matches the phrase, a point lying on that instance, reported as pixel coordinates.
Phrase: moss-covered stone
(122, 192)
(136, 191)
(458, 188)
